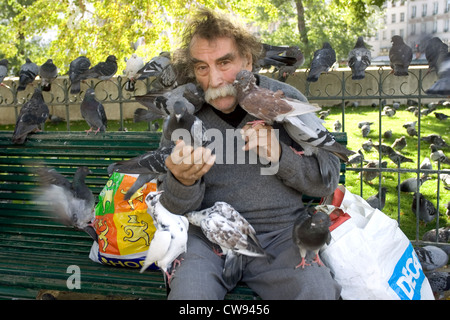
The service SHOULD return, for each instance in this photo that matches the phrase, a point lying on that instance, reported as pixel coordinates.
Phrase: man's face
(216, 64)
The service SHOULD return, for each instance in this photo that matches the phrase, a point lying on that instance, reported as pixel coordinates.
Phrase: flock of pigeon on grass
(171, 98)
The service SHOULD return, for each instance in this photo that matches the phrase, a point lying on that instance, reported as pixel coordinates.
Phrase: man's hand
(189, 165)
(263, 140)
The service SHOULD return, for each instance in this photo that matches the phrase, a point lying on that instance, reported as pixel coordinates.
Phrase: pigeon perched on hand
(93, 112)
(32, 115)
(170, 238)
(3, 70)
(442, 85)
(102, 70)
(47, 72)
(303, 127)
(311, 233)
(322, 61)
(77, 70)
(224, 226)
(72, 203)
(378, 200)
(359, 59)
(27, 74)
(400, 56)
(426, 210)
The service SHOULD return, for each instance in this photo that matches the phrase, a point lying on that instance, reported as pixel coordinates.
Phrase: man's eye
(201, 70)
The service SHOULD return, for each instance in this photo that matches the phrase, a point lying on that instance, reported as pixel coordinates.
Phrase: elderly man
(215, 50)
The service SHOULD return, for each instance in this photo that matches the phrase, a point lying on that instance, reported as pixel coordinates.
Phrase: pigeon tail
(232, 268)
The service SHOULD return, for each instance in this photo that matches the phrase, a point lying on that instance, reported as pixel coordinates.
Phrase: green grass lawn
(353, 115)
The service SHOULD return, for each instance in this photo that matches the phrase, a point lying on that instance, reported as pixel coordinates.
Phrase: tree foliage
(98, 28)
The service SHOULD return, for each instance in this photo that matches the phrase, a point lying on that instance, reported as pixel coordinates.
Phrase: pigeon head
(153, 197)
(4, 62)
(245, 81)
(397, 40)
(179, 109)
(111, 58)
(83, 171)
(320, 221)
(90, 93)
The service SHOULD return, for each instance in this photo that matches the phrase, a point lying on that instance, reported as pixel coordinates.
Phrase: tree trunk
(301, 22)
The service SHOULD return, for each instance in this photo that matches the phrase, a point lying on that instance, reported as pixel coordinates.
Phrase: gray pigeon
(311, 233)
(72, 203)
(412, 132)
(398, 158)
(436, 140)
(443, 235)
(439, 282)
(363, 123)
(27, 74)
(410, 184)
(93, 112)
(367, 145)
(378, 201)
(384, 149)
(406, 125)
(365, 130)
(102, 70)
(155, 66)
(77, 69)
(426, 209)
(442, 85)
(372, 174)
(337, 125)
(274, 56)
(225, 227)
(47, 72)
(446, 180)
(359, 59)
(399, 143)
(435, 51)
(3, 70)
(387, 134)
(170, 238)
(388, 111)
(32, 115)
(356, 159)
(441, 116)
(431, 257)
(400, 56)
(426, 165)
(289, 69)
(322, 61)
(304, 127)
(438, 155)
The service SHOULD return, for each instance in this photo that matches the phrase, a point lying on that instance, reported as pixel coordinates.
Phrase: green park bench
(37, 252)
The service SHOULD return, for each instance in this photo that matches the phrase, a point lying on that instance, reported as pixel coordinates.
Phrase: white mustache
(214, 93)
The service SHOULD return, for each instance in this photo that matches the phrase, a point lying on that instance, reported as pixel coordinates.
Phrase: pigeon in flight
(93, 112)
(28, 72)
(322, 61)
(435, 51)
(224, 226)
(170, 238)
(32, 115)
(47, 72)
(102, 70)
(359, 59)
(303, 127)
(426, 209)
(400, 56)
(310, 233)
(3, 70)
(442, 85)
(72, 203)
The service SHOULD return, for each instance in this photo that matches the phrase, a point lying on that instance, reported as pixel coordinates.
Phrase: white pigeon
(134, 64)
(170, 238)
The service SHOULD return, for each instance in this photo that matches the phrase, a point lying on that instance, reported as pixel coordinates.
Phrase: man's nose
(215, 77)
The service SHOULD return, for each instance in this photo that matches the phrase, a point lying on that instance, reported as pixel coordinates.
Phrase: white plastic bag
(370, 256)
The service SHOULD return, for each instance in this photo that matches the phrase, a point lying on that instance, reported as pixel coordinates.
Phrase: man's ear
(249, 62)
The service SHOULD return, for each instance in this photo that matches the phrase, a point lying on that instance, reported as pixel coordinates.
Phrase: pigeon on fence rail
(170, 238)
(378, 200)
(32, 115)
(436, 140)
(77, 70)
(47, 72)
(93, 112)
(3, 70)
(72, 203)
(426, 210)
(225, 227)
(289, 69)
(322, 61)
(435, 51)
(400, 56)
(297, 118)
(442, 85)
(28, 72)
(310, 233)
(438, 155)
(133, 65)
(102, 70)
(155, 66)
(359, 58)
(410, 184)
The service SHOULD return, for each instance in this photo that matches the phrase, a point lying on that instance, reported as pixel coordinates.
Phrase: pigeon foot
(300, 153)
(318, 261)
(302, 264)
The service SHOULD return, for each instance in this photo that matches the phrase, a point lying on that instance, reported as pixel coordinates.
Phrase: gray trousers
(199, 276)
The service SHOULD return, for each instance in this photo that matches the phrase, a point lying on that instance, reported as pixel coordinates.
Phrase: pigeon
(27, 74)
(3, 70)
(72, 203)
(441, 116)
(387, 134)
(363, 123)
(47, 72)
(447, 213)
(365, 130)
(443, 235)
(439, 282)
(322, 61)
(378, 201)
(311, 233)
(435, 50)
(323, 114)
(442, 85)
(155, 66)
(446, 180)
(134, 64)
(32, 115)
(356, 159)
(399, 143)
(412, 124)
(426, 210)
(226, 227)
(398, 158)
(304, 128)
(275, 56)
(436, 140)
(426, 165)
(400, 56)
(388, 111)
(431, 257)
(410, 184)
(77, 70)
(289, 69)
(367, 145)
(412, 132)
(337, 125)
(359, 59)
(384, 149)
(102, 70)
(438, 155)
(396, 105)
(372, 174)
(93, 112)
(170, 238)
